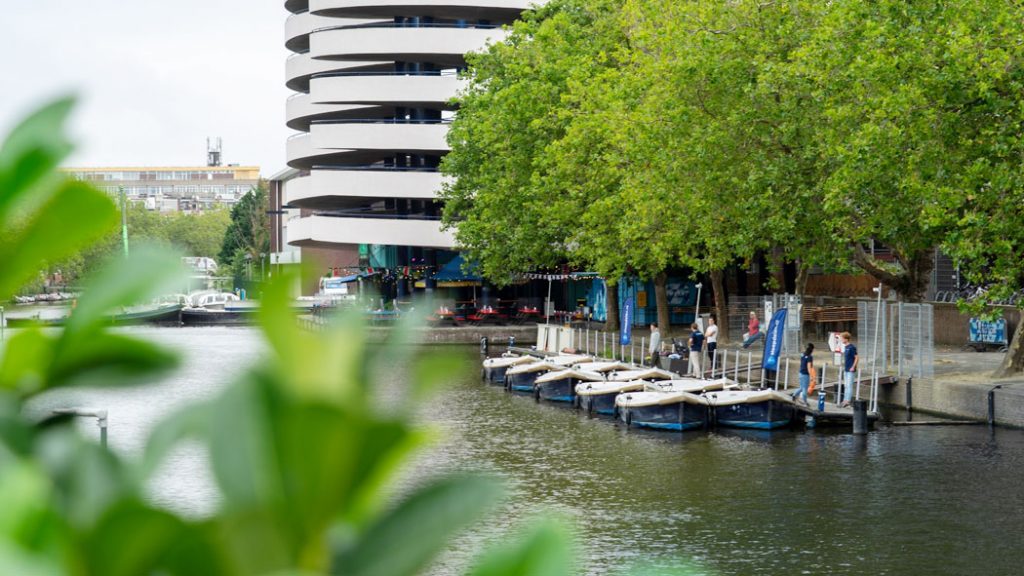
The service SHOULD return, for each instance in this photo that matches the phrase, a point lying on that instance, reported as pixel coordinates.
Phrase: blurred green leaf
(87, 478)
(148, 272)
(32, 152)
(190, 422)
(106, 359)
(75, 216)
(547, 550)
(25, 361)
(408, 538)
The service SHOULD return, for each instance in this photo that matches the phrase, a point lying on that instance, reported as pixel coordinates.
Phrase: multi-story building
(168, 189)
(374, 81)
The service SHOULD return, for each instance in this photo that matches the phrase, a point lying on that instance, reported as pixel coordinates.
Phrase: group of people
(807, 374)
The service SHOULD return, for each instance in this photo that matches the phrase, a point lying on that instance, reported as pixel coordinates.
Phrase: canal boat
(218, 317)
(566, 360)
(495, 368)
(691, 385)
(599, 397)
(640, 374)
(676, 411)
(560, 386)
(759, 409)
(165, 314)
(603, 366)
(520, 378)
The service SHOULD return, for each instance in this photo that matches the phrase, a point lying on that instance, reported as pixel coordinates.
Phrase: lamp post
(696, 312)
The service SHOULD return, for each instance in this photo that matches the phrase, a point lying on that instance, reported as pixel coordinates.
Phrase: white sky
(154, 78)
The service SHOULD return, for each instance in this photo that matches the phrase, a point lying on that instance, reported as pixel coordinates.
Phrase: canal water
(903, 500)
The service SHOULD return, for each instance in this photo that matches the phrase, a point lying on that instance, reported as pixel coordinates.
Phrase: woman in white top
(711, 337)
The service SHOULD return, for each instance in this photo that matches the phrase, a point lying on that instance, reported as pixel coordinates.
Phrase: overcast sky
(154, 78)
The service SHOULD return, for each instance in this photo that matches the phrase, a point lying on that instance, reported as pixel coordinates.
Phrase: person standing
(753, 330)
(711, 337)
(806, 367)
(850, 362)
(696, 344)
(655, 347)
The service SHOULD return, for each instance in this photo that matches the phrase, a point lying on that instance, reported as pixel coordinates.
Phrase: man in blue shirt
(696, 344)
(850, 361)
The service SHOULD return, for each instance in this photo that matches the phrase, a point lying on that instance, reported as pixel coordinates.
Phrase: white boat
(560, 386)
(602, 366)
(212, 300)
(494, 368)
(599, 397)
(521, 377)
(640, 374)
(677, 411)
(691, 385)
(567, 359)
(761, 409)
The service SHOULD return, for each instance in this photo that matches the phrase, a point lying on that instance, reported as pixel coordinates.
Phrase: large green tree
(248, 234)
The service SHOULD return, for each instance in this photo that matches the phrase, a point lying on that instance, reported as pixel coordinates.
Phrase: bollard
(821, 400)
(860, 416)
(992, 405)
(511, 343)
(910, 398)
(483, 345)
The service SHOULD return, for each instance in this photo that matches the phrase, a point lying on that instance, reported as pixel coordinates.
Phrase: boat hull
(495, 375)
(563, 390)
(764, 415)
(599, 403)
(522, 382)
(677, 417)
(207, 317)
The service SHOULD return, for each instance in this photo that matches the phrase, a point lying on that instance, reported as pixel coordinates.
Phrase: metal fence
(896, 337)
(765, 306)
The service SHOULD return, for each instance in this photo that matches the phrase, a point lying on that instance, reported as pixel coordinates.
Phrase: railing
(374, 215)
(409, 25)
(448, 72)
(384, 121)
(371, 167)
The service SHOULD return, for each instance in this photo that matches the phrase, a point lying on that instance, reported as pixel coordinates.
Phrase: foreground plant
(303, 460)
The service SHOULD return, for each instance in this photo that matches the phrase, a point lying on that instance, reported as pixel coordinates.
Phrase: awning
(451, 275)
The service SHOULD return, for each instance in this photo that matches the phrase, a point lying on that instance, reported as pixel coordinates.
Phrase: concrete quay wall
(961, 400)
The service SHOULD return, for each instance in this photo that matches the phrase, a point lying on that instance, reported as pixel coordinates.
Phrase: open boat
(567, 360)
(761, 409)
(146, 314)
(495, 368)
(520, 378)
(599, 397)
(677, 411)
(640, 374)
(691, 385)
(560, 386)
(602, 366)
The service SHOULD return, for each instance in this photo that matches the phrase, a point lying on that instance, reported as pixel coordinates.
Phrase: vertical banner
(626, 330)
(773, 341)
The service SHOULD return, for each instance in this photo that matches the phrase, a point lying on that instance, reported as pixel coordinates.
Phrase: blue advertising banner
(626, 334)
(773, 340)
(988, 332)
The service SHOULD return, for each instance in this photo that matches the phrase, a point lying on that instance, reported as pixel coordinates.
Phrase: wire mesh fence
(896, 337)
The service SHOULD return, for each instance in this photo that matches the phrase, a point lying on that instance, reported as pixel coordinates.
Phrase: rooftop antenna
(213, 151)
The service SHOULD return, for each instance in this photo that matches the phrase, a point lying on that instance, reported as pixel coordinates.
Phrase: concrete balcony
(328, 231)
(497, 10)
(298, 27)
(434, 91)
(300, 111)
(440, 45)
(413, 138)
(323, 187)
(300, 67)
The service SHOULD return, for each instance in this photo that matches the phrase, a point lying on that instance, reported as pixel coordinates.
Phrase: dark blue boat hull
(599, 403)
(766, 415)
(495, 375)
(522, 382)
(556, 391)
(676, 417)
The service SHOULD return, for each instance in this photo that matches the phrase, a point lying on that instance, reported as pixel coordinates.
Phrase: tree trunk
(612, 305)
(778, 269)
(1013, 361)
(802, 273)
(661, 300)
(721, 312)
(909, 278)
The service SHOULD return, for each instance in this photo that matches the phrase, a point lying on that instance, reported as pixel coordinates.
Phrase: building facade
(373, 84)
(169, 189)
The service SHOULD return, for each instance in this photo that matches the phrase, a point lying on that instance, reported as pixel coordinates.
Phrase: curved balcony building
(374, 81)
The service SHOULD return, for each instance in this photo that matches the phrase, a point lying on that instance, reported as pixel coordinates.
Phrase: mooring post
(910, 398)
(860, 416)
(99, 415)
(483, 345)
(992, 405)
